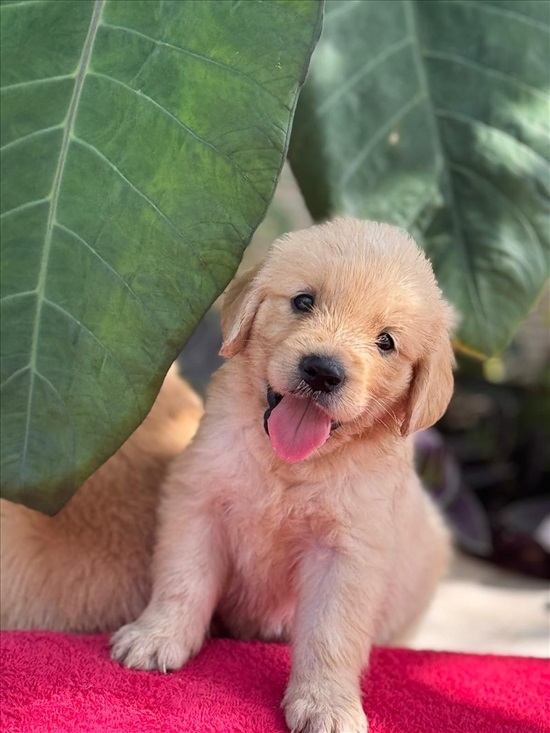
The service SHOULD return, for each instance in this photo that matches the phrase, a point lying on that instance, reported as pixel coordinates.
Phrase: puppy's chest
(276, 520)
(264, 533)
(267, 535)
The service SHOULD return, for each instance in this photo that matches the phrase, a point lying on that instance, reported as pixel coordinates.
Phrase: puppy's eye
(303, 302)
(385, 342)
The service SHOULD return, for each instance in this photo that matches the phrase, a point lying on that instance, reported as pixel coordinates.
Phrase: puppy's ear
(241, 302)
(431, 386)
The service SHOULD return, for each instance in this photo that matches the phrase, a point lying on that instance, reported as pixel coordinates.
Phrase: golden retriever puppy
(88, 568)
(296, 513)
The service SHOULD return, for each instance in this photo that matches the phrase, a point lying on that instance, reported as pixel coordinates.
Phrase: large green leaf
(141, 144)
(435, 116)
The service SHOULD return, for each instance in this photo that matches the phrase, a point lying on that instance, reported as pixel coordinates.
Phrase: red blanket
(57, 683)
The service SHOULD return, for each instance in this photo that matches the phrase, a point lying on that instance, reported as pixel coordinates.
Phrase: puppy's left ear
(240, 305)
(432, 382)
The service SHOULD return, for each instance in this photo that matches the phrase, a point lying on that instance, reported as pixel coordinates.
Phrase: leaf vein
(65, 409)
(489, 70)
(474, 122)
(23, 2)
(80, 239)
(149, 201)
(353, 80)
(373, 141)
(104, 347)
(22, 294)
(26, 205)
(480, 317)
(195, 54)
(503, 12)
(186, 128)
(386, 54)
(35, 133)
(342, 9)
(15, 374)
(33, 82)
(520, 216)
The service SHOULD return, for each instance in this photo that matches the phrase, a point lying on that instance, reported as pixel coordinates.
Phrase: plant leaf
(141, 145)
(434, 116)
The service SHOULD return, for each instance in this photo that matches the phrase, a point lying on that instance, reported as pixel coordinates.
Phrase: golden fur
(88, 568)
(344, 548)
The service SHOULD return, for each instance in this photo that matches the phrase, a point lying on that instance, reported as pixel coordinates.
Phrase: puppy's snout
(321, 373)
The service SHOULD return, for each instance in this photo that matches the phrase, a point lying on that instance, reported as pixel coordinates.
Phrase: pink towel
(58, 683)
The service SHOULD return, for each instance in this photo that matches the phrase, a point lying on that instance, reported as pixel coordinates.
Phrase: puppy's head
(343, 329)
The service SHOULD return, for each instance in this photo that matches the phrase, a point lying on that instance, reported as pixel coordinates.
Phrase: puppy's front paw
(313, 708)
(147, 645)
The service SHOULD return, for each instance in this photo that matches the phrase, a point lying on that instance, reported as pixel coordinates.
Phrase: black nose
(321, 373)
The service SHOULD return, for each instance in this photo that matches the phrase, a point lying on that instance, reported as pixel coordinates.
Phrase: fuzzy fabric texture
(59, 683)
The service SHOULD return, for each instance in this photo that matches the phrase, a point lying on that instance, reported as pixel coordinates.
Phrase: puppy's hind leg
(188, 572)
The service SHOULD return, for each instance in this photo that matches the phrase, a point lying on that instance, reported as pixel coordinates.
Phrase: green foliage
(141, 145)
(435, 116)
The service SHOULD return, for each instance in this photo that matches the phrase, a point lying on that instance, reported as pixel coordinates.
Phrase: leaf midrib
(471, 285)
(80, 76)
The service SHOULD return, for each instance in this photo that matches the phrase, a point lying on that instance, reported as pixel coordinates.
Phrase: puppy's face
(342, 328)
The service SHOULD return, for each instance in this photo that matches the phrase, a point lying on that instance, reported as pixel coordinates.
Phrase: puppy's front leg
(331, 642)
(187, 572)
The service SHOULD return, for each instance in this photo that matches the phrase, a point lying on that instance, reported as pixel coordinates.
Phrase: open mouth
(296, 425)
(273, 399)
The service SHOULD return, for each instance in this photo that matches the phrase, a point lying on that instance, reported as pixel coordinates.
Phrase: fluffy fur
(88, 568)
(344, 548)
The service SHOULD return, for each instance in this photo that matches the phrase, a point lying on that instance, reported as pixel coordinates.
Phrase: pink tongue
(297, 427)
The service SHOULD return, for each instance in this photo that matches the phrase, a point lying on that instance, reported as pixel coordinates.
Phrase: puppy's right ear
(240, 305)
